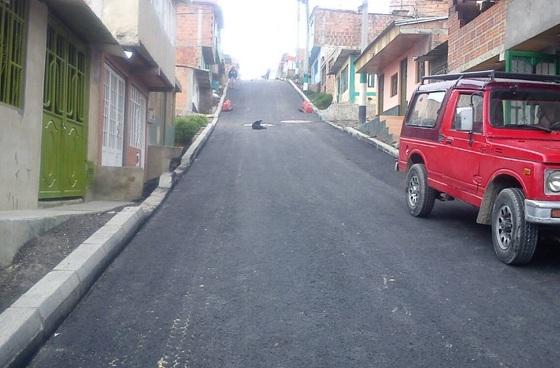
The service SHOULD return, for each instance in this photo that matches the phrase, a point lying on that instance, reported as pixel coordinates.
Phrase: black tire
(514, 239)
(420, 198)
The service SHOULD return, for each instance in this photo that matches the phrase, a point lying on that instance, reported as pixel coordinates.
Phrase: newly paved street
(292, 247)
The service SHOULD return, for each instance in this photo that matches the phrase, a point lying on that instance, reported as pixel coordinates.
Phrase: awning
(394, 41)
(438, 52)
(82, 20)
(340, 59)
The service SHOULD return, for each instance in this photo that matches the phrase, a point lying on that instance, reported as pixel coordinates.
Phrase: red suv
(491, 139)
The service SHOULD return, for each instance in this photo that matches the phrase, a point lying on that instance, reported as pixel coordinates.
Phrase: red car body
(474, 165)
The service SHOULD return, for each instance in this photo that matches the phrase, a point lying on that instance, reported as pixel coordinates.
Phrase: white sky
(257, 32)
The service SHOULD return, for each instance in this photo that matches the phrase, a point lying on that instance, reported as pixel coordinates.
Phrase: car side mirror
(466, 116)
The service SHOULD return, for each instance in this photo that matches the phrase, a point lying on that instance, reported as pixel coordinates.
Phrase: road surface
(292, 247)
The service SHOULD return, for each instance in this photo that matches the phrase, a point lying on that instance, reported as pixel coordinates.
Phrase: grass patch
(319, 99)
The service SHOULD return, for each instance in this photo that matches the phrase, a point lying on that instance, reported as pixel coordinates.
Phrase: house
(510, 35)
(287, 68)
(85, 70)
(394, 57)
(405, 51)
(347, 80)
(334, 29)
(199, 62)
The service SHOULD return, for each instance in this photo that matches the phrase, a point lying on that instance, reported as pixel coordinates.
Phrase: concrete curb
(37, 313)
(382, 146)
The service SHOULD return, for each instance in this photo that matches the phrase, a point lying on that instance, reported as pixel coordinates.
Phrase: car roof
(482, 83)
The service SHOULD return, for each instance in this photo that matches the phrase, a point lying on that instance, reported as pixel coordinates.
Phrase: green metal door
(63, 151)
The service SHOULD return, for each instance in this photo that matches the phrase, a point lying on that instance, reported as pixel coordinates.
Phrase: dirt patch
(41, 254)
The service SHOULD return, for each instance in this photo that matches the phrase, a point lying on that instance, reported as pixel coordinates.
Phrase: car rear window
(424, 113)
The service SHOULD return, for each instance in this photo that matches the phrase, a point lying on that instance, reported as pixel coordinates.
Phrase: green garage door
(63, 151)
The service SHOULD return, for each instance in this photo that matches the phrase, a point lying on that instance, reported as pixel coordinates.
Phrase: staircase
(386, 128)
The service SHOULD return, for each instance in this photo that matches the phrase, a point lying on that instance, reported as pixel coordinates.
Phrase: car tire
(420, 198)
(514, 239)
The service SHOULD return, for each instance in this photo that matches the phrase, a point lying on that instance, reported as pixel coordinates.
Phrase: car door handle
(445, 140)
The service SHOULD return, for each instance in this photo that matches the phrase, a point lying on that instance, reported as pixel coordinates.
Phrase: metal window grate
(12, 27)
(137, 118)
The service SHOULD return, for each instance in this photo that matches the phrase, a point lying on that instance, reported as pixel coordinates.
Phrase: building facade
(75, 84)
(335, 29)
(510, 35)
(396, 57)
(199, 61)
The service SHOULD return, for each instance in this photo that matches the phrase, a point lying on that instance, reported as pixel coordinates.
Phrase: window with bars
(137, 119)
(12, 40)
(371, 80)
(394, 84)
(113, 113)
(343, 80)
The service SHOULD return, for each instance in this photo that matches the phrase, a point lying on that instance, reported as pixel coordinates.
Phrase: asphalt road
(292, 247)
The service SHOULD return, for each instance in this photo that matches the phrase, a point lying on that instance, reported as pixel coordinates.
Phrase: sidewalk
(19, 226)
(27, 322)
(382, 146)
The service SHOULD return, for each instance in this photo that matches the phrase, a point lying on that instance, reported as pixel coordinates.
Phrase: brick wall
(343, 27)
(477, 41)
(189, 37)
(421, 8)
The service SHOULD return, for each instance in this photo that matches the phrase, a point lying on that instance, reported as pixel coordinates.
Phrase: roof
(340, 57)
(399, 35)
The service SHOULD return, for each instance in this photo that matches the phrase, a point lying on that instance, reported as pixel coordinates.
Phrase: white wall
(21, 128)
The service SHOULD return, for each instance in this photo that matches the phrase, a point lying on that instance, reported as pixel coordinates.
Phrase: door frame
(380, 97)
(403, 74)
(109, 68)
(81, 47)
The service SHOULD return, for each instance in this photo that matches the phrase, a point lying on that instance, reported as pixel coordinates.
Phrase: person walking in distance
(232, 75)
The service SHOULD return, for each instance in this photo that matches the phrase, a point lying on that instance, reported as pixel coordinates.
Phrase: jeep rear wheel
(420, 198)
(514, 239)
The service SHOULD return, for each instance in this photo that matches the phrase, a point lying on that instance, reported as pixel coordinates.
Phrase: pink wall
(394, 67)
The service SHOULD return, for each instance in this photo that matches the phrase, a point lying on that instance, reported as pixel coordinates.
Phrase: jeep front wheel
(420, 198)
(514, 239)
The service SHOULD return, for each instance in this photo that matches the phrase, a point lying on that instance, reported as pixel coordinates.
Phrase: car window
(465, 100)
(424, 113)
(525, 108)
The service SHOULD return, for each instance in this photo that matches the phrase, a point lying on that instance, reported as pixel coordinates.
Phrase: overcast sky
(258, 32)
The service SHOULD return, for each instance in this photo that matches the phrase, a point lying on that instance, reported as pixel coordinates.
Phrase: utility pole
(306, 56)
(298, 62)
(362, 110)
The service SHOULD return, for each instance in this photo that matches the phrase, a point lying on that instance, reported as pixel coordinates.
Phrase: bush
(323, 100)
(186, 128)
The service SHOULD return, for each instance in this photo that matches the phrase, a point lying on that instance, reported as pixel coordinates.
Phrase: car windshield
(526, 109)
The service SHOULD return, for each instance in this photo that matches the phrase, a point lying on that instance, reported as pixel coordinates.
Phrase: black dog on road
(257, 125)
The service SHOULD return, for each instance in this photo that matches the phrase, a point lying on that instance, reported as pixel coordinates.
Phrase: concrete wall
(189, 91)
(526, 19)
(118, 183)
(134, 23)
(154, 38)
(21, 128)
(95, 130)
(159, 158)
